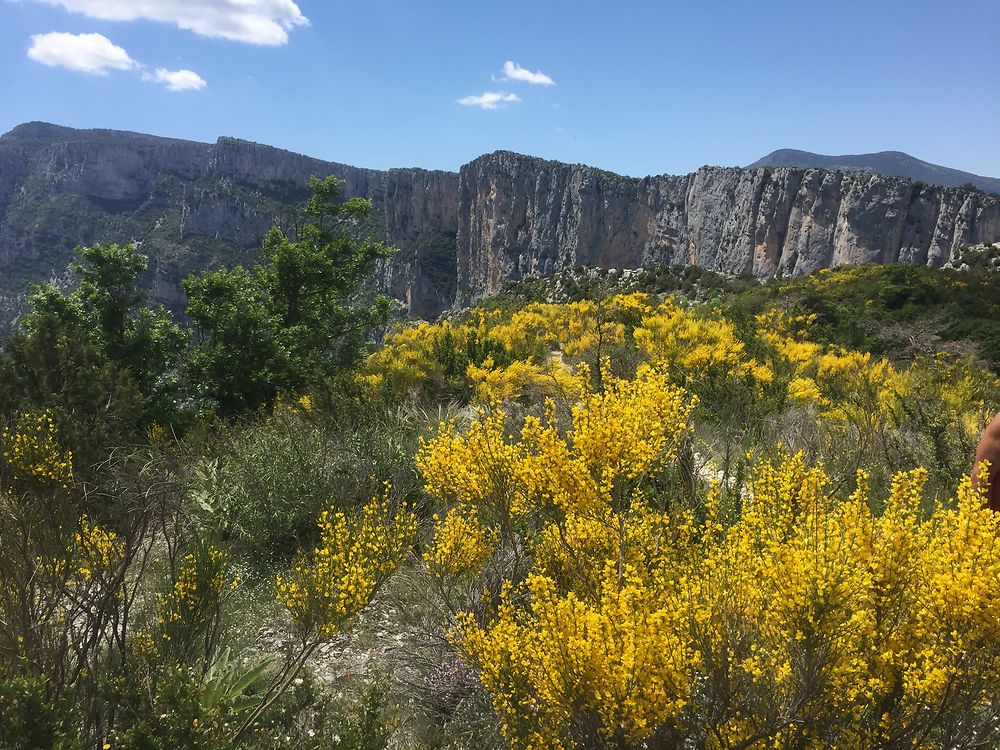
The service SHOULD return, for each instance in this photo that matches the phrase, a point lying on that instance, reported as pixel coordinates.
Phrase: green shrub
(30, 719)
(270, 478)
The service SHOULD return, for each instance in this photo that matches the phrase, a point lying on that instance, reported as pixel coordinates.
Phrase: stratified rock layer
(196, 205)
(461, 236)
(522, 216)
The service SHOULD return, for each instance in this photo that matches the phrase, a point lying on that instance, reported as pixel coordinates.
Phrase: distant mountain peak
(889, 163)
(36, 130)
(39, 133)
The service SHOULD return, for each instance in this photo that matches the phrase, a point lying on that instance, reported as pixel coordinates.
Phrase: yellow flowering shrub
(432, 358)
(806, 391)
(616, 656)
(587, 328)
(807, 617)
(615, 437)
(288, 405)
(97, 549)
(64, 586)
(405, 362)
(590, 600)
(31, 448)
(189, 608)
(460, 547)
(494, 385)
(695, 347)
(631, 426)
(474, 468)
(702, 351)
(813, 597)
(822, 624)
(495, 356)
(745, 376)
(335, 581)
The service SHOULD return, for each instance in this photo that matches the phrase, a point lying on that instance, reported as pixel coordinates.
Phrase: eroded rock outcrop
(461, 236)
(520, 216)
(197, 205)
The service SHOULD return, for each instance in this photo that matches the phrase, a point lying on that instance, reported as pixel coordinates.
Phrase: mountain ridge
(462, 236)
(523, 217)
(888, 163)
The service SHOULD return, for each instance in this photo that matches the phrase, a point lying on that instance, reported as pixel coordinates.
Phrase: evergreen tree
(292, 319)
(97, 357)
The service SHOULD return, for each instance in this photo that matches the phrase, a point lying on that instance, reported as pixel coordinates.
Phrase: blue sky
(639, 87)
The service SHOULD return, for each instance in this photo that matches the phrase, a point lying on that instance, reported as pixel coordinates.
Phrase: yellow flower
(356, 553)
(31, 448)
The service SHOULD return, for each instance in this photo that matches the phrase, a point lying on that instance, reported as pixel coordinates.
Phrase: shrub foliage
(679, 512)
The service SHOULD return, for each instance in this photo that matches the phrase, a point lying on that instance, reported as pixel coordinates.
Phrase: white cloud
(253, 21)
(96, 54)
(86, 53)
(514, 72)
(176, 80)
(489, 100)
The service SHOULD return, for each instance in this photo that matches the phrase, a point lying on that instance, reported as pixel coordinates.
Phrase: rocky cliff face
(521, 216)
(421, 218)
(461, 236)
(196, 205)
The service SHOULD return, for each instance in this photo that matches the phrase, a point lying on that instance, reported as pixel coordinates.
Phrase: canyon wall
(195, 205)
(461, 237)
(521, 216)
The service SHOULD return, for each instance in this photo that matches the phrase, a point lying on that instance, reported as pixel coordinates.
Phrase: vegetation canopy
(659, 510)
(288, 321)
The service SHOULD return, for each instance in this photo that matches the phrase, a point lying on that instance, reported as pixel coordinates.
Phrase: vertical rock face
(521, 216)
(421, 218)
(279, 172)
(13, 171)
(461, 236)
(194, 205)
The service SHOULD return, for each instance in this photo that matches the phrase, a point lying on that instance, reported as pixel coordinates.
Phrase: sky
(633, 87)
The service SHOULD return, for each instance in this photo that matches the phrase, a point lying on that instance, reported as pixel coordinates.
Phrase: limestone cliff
(520, 216)
(461, 236)
(197, 205)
